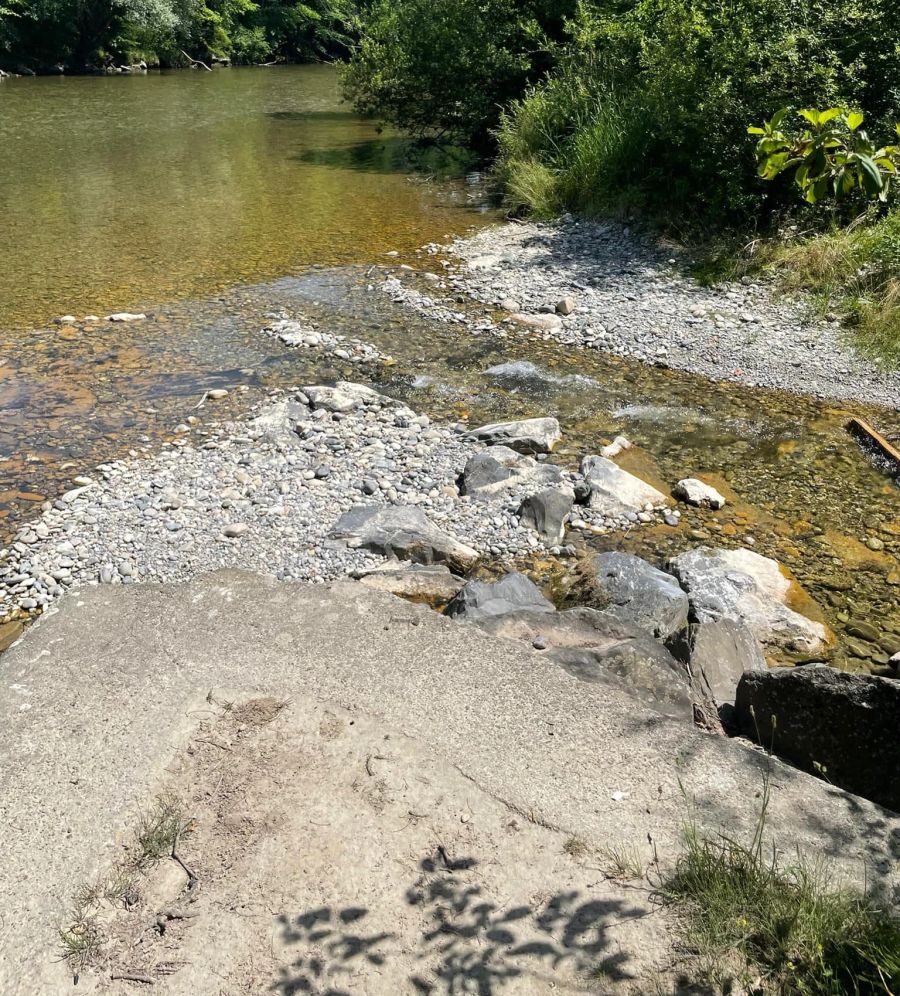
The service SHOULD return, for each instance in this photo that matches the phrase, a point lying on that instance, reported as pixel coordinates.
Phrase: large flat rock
(99, 699)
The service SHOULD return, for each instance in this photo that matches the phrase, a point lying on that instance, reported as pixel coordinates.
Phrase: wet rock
(750, 588)
(830, 723)
(428, 584)
(695, 492)
(864, 630)
(530, 435)
(547, 512)
(500, 471)
(642, 595)
(617, 446)
(403, 532)
(217, 394)
(343, 397)
(10, 632)
(512, 593)
(614, 491)
(721, 652)
(125, 316)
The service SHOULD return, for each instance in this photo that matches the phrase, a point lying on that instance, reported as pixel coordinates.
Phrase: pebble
(737, 331)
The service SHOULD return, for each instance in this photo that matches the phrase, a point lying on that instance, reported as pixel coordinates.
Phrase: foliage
(833, 155)
(648, 106)
(787, 924)
(447, 67)
(81, 33)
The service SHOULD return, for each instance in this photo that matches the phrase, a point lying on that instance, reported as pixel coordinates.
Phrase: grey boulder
(547, 512)
(641, 594)
(344, 396)
(596, 647)
(529, 435)
(721, 652)
(839, 726)
(482, 599)
(404, 532)
(752, 589)
(499, 471)
(614, 491)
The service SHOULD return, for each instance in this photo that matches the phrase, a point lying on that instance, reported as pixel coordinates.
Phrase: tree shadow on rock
(456, 940)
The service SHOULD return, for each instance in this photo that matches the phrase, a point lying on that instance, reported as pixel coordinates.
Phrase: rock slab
(614, 491)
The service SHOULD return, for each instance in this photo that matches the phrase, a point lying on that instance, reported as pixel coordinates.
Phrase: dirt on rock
(325, 853)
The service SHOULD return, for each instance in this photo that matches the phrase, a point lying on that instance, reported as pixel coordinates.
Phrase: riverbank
(627, 296)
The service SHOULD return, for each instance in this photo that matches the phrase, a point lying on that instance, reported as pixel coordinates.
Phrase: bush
(832, 156)
(446, 68)
(650, 106)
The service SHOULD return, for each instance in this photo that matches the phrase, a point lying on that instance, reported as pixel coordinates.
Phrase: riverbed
(312, 232)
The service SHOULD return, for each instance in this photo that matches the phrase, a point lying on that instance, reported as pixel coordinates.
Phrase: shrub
(650, 104)
(833, 155)
(446, 68)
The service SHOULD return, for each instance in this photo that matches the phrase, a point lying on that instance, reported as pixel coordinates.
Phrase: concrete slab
(97, 699)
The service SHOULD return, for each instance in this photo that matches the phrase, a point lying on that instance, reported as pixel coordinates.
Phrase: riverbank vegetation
(79, 35)
(642, 108)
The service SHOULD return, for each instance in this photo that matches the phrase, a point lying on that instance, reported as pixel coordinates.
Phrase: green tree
(448, 67)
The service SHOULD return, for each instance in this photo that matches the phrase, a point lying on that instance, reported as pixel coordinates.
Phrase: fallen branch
(128, 977)
(195, 62)
(860, 428)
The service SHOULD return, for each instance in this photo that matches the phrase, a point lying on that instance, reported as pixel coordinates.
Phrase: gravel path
(630, 300)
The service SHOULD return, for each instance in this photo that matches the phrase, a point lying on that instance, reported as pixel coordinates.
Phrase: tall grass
(748, 915)
(854, 270)
(572, 144)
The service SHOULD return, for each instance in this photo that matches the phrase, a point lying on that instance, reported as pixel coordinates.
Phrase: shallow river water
(269, 197)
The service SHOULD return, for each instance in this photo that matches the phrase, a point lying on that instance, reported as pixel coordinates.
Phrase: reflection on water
(122, 192)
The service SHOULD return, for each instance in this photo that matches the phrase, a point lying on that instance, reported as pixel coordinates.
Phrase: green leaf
(782, 113)
(871, 176)
(756, 131)
(811, 115)
(829, 115)
(855, 119)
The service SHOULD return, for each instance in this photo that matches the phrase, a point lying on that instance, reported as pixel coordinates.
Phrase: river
(212, 200)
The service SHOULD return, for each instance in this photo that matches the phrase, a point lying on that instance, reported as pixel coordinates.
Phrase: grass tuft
(160, 830)
(624, 862)
(576, 848)
(80, 940)
(789, 925)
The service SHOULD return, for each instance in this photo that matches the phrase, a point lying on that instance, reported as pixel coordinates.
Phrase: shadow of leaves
(462, 941)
